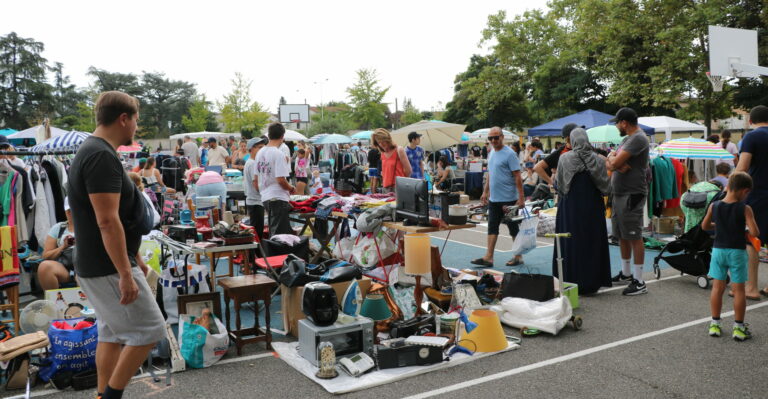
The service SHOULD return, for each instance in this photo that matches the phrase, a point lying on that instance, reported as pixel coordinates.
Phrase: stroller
(691, 252)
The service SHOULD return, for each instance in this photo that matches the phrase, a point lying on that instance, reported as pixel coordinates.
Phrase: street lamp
(321, 83)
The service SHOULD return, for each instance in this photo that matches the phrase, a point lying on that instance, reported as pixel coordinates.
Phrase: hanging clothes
(6, 193)
(9, 257)
(56, 190)
(42, 218)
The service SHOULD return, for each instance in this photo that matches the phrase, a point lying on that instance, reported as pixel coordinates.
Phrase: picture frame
(193, 304)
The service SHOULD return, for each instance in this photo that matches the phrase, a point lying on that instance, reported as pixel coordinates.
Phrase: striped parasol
(67, 141)
(692, 148)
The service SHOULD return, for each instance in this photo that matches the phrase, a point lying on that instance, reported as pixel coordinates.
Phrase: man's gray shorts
(136, 324)
(627, 216)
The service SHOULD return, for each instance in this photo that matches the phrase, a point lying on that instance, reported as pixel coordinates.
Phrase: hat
(66, 204)
(568, 128)
(211, 139)
(413, 136)
(625, 114)
(254, 142)
(4, 141)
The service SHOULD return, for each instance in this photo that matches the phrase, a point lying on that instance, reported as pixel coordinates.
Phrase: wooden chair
(12, 295)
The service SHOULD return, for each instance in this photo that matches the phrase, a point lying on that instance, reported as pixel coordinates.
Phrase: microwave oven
(348, 339)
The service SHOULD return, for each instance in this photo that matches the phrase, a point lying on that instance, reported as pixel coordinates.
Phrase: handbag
(142, 218)
(537, 287)
(294, 272)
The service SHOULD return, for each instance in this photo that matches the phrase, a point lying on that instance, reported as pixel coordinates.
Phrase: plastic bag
(366, 254)
(343, 248)
(200, 348)
(526, 238)
(173, 283)
(71, 350)
(550, 316)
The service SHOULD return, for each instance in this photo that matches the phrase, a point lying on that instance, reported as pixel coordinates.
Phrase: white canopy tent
(37, 133)
(670, 125)
(205, 135)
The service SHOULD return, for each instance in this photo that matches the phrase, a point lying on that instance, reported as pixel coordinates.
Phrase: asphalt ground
(654, 345)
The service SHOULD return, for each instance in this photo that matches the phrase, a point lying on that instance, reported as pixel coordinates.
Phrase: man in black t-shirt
(109, 268)
(547, 167)
(374, 168)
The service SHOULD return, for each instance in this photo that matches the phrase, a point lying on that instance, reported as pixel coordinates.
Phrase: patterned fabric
(415, 157)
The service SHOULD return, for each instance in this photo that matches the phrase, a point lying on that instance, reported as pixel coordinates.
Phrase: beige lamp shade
(418, 255)
(488, 336)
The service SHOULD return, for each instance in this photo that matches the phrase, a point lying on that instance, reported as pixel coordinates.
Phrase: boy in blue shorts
(730, 218)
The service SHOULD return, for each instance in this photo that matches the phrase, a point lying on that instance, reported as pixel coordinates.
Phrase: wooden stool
(244, 289)
(12, 294)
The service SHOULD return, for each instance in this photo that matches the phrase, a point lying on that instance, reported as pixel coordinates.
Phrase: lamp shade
(418, 255)
(488, 336)
(375, 307)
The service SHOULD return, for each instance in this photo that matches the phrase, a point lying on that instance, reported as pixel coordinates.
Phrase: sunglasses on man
(493, 138)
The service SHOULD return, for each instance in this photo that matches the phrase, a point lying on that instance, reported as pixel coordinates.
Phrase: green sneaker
(714, 329)
(741, 333)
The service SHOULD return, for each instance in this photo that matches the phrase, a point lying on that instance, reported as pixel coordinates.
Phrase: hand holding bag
(526, 238)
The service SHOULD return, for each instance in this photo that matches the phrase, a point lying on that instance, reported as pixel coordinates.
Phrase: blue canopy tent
(589, 119)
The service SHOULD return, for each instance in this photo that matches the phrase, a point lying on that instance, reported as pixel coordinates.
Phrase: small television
(412, 205)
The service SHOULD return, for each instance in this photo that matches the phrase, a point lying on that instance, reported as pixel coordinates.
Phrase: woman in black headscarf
(581, 182)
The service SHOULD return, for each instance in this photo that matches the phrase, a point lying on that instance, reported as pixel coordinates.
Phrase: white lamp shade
(418, 254)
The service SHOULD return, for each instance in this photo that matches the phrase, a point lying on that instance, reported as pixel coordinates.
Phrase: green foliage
(198, 116)
(333, 122)
(239, 113)
(81, 119)
(366, 98)
(25, 95)
(410, 114)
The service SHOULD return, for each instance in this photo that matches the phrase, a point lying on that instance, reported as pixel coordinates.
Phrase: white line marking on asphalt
(621, 287)
(570, 356)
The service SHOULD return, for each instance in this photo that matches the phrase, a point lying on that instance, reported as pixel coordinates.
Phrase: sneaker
(621, 279)
(635, 288)
(741, 333)
(714, 329)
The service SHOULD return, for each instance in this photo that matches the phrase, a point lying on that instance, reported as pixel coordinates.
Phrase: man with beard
(630, 189)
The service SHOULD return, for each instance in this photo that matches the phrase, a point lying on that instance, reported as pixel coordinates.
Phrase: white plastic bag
(343, 248)
(365, 253)
(173, 284)
(550, 316)
(526, 238)
(200, 348)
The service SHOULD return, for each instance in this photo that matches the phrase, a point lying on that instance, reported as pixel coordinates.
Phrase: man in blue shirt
(415, 155)
(753, 159)
(503, 187)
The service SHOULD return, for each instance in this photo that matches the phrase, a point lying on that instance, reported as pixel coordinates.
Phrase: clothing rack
(40, 153)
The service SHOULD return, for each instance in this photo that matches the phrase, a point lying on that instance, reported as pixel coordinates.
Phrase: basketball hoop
(296, 121)
(717, 82)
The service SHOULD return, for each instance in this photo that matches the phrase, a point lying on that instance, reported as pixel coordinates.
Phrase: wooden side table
(244, 289)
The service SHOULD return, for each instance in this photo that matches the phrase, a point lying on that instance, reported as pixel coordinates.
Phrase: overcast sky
(416, 46)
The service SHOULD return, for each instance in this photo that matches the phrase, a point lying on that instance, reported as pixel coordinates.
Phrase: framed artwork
(69, 301)
(193, 304)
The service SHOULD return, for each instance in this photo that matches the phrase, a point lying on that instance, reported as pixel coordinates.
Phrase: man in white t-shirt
(217, 155)
(251, 186)
(272, 171)
(190, 151)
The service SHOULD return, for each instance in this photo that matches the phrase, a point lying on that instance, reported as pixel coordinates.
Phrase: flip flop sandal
(482, 262)
(514, 262)
(751, 298)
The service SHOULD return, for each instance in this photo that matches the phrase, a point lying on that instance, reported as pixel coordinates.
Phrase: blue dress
(586, 260)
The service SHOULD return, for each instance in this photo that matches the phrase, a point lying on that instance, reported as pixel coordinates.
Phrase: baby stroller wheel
(577, 322)
(703, 282)
(656, 271)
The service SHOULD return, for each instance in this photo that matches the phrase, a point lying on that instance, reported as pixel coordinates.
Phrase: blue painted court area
(539, 260)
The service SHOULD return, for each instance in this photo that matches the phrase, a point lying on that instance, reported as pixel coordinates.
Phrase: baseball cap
(4, 141)
(211, 139)
(625, 114)
(568, 128)
(413, 135)
(254, 142)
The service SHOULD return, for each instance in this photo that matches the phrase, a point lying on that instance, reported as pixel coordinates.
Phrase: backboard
(729, 45)
(294, 113)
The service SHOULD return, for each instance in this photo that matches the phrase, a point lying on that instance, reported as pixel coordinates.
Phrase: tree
(81, 119)
(333, 122)
(410, 113)
(66, 97)
(107, 81)
(25, 95)
(164, 100)
(238, 112)
(199, 116)
(366, 98)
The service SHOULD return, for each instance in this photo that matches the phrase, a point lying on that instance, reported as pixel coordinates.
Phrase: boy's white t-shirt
(271, 163)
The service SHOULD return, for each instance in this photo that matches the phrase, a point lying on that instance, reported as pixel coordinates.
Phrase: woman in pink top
(211, 184)
(301, 169)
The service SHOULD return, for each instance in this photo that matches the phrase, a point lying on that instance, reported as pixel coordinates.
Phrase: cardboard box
(291, 302)
(463, 199)
(664, 225)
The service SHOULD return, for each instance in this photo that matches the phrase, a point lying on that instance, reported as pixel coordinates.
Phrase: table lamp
(375, 307)
(418, 261)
